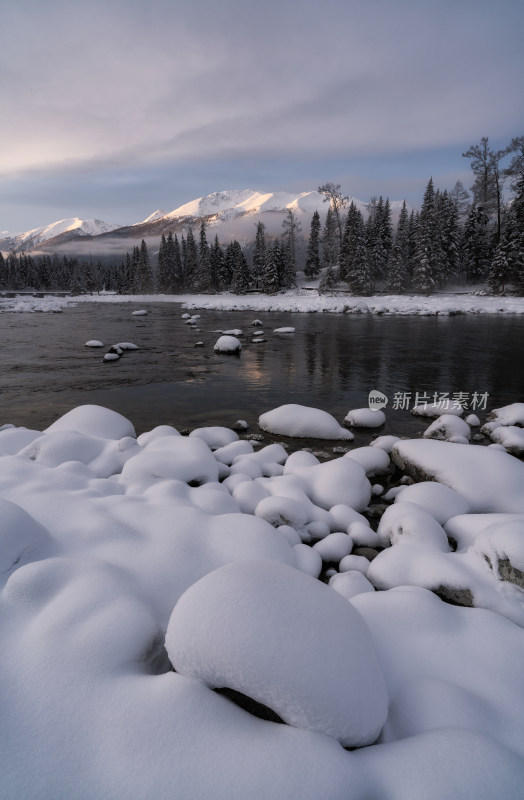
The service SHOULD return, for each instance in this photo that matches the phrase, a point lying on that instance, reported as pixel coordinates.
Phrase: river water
(330, 362)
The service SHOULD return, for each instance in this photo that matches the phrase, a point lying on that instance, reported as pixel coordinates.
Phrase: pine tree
(328, 280)
(270, 275)
(240, 278)
(161, 273)
(448, 214)
(259, 254)
(359, 278)
(191, 262)
(330, 242)
(379, 237)
(202, 281)
(348, 241)
(292, 228)
(428, 259)
(216, 258)
(143, 275)
(312, 267)
(398, 276)
(475, 246)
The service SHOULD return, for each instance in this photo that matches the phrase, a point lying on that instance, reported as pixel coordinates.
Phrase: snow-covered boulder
(278, 649)
(228, 344)
(334, 546)
(512, 414)
(302, 422)
(94, 343)
(126, 346)
(404, 522)
(447, 427)
(511, 437)
(179, 458)
(282, 511)
(341, 481)
(215, 436)
(488, 479)
(385, 442)
(365, 418)
(437, 499)
(94, 421)
(374, 460)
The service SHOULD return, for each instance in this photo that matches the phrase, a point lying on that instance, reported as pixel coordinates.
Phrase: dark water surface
(331, 362)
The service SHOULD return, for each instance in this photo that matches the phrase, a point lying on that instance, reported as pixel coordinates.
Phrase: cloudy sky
(113, 109)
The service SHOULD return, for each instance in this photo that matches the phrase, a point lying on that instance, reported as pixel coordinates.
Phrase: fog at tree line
(457, 237)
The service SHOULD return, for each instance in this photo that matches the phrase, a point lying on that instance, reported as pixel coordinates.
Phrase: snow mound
(228, 344)
(447, 427)
(511, 437)
(94, 420)
(365, 418)
(374, 460)
(302, 422)
(488, 479)
(276, 644)
(437, 499)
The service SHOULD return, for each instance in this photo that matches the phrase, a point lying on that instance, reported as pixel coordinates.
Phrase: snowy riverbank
(123, 558)
(298, 301)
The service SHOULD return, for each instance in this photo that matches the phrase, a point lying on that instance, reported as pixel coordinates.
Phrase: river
(332, 361)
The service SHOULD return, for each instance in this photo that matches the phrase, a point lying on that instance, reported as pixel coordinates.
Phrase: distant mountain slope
(78, 227)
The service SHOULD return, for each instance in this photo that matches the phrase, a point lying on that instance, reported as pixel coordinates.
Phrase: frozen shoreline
(298, 301)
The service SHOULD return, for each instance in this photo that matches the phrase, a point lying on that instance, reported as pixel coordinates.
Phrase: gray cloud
(97, 88)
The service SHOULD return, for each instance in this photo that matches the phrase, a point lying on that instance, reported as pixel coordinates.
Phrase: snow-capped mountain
(36, 236)
(227, 205)
(230, 214)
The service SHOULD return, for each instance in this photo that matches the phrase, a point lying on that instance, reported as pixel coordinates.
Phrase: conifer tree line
(456, 237)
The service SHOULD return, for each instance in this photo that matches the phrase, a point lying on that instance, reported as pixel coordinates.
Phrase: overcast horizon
(115, 111)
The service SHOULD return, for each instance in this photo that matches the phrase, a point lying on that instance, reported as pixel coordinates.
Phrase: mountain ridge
(229, 214)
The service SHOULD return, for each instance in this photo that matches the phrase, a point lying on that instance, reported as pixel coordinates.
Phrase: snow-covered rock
(334, 546)
(276, 645)
(511, 437)
(448, 427)
(215, 436)
(302, 422)
(488, 479)
(94, 343)
(93, 420)
(228, 344)
(365, 418)
(374, 460)
(436, 498)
